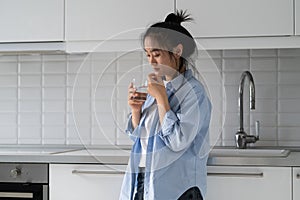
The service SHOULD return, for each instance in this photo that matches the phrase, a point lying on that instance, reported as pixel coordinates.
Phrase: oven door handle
(22, 195)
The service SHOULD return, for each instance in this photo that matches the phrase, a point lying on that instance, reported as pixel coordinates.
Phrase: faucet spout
(241, 137)
(241, 94)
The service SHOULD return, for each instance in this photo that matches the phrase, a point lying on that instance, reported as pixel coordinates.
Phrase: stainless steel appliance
(24, 181)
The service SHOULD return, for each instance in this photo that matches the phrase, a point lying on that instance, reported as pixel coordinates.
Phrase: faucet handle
(257, 129)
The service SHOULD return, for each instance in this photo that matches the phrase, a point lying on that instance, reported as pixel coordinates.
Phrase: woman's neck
(171, 77)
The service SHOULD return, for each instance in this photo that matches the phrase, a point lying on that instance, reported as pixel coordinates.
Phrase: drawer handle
(96, 172)
(23, 195)
(223, 174)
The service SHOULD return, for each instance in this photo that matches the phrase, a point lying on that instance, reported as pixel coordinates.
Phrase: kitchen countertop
(120, 155)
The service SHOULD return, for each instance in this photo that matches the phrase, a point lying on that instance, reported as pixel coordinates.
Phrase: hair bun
(178, 17)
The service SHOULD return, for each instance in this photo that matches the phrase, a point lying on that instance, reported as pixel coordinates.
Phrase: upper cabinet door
(101, 20)
(297, 17)
(31, 20)
(239, 18)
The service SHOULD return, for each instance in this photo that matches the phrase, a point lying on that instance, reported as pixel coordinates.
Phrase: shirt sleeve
(179, 128)
(130, 131)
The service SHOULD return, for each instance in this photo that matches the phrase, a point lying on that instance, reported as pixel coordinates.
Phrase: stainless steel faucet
(241, 137)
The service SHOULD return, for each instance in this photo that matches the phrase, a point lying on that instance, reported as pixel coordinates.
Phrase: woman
(170, 128)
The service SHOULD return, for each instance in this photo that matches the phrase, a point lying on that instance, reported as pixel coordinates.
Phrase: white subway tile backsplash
(79, 80)
(289, 133)
(289, 52)
(265, 106)
(8, 67)
(78, 93)
(100, 80)
(30, 106)
(52, 93)
(8, 106)
(8, 132)
(264, 64)
(209, 54)
(288, 91)
(54, 106)
(292, 78)
(264, 78)
(54, 132)
(266, 91)
(79, 105)
(54, 80)
(78, 67)
(54, 67)
(50, 119)
(31, 57)
(236, 53)
(37, 96)
(30, 80)
(79, 119)
(8, 93)
(289, 64)
(263, 53)
(289, 105)
(209, 65)
(30, 67)
(101, 93)
(8, 81)
(289, 119)
(5, 58)
(30, 119)
(30, 132)
(265, 119)
(236, 64)
(8, 118)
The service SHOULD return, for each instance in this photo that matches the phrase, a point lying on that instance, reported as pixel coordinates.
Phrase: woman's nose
(152, 60)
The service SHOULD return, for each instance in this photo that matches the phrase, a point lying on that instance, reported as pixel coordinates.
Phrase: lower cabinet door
(296, 183)
(248, 183)
(85, 181)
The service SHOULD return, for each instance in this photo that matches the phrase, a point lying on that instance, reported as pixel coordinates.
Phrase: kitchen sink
(250, 152)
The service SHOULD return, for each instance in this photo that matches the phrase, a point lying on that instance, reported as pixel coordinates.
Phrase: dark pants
(139, 195)
(191, 194)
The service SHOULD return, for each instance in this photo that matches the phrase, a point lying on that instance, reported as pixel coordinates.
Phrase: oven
(24, 181)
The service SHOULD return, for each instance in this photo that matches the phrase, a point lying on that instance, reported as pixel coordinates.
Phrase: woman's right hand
(135, 105)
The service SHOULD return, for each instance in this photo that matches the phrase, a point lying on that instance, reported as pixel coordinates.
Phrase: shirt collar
(178, 81)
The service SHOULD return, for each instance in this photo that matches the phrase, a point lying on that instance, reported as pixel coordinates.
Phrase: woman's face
(162, 62)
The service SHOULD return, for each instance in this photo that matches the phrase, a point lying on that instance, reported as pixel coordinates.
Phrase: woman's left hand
(156, 87)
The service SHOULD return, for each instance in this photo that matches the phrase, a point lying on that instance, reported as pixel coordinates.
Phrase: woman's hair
(170, 33)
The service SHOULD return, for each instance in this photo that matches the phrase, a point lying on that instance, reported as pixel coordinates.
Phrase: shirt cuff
(168, 123)
(133, 133)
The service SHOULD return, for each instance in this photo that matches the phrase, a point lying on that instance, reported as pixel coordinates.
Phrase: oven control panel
(24, 172)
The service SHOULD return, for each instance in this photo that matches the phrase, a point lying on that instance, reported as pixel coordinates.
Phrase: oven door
(23, 191)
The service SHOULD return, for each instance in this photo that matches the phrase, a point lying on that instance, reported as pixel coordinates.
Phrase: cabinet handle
(22, 195)
(298, 176)
(224, 174)
(96, 172)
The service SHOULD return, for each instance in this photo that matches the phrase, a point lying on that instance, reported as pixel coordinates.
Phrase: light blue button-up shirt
(178, 149)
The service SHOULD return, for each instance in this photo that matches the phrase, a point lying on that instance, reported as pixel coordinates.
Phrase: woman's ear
(178, 50)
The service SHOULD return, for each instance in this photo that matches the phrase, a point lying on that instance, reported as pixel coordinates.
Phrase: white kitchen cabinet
(100, 20)
(248, 183)
(296, 183)
(31, 20)
(236, 18)
(85, 181)
(297, 17)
